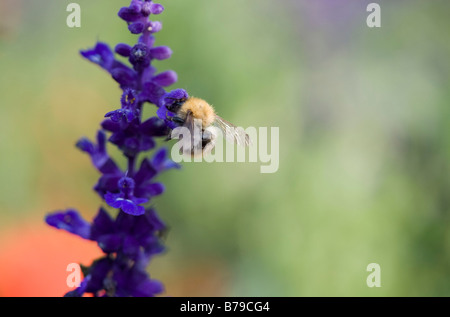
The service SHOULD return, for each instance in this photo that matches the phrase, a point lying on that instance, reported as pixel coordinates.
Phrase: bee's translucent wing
(232, 133)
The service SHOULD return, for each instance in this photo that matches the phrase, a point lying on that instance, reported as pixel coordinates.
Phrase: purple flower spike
(132, 238)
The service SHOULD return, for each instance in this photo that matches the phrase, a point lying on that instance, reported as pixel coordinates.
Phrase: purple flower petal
(124, 76)
(129, 14)
(160, 52)
(85, 145)
(113, 200)
(161, 162)
(123, 49)
(102, 224)
(101, 142)
(98, 272)
(125, 222)
(162, 112)
(128, 99)
(154, 220)
(145, 172)
(131, 146)
(140, 201)
(136, 27)
(140, 56)
(131, 245)
(147, 75)
(147, 143)
(166, 78)
(148, 288)
(110, 125)
(122, 116)
(136, 5)
(174, 95)
(152, 93)
(71, 221)
(154, 127)
(155, 26)
(155, 189)
(107, 183)
(156, 8)
(147, 39)
(126, 184)
(101, 55)
(79, 291)
(159, 157)
(131, 208)
(140, 210)
(146, 8)
(110, 242)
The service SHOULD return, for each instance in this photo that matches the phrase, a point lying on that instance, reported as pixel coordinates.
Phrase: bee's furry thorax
(200, 109)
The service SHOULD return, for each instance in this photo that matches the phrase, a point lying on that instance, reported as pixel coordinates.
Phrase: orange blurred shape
(34, 259)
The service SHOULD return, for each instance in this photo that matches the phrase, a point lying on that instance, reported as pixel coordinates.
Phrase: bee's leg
(177, 120)
(207, 137)
(208, 142)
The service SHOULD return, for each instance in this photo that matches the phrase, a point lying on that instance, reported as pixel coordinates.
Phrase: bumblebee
(196, 114)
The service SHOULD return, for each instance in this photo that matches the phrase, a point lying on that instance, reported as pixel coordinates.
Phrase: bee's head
(175, 105)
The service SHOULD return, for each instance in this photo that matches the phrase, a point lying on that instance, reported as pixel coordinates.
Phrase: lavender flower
(133, 237)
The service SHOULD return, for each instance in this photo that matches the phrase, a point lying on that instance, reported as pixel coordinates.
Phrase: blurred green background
(364, 118)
